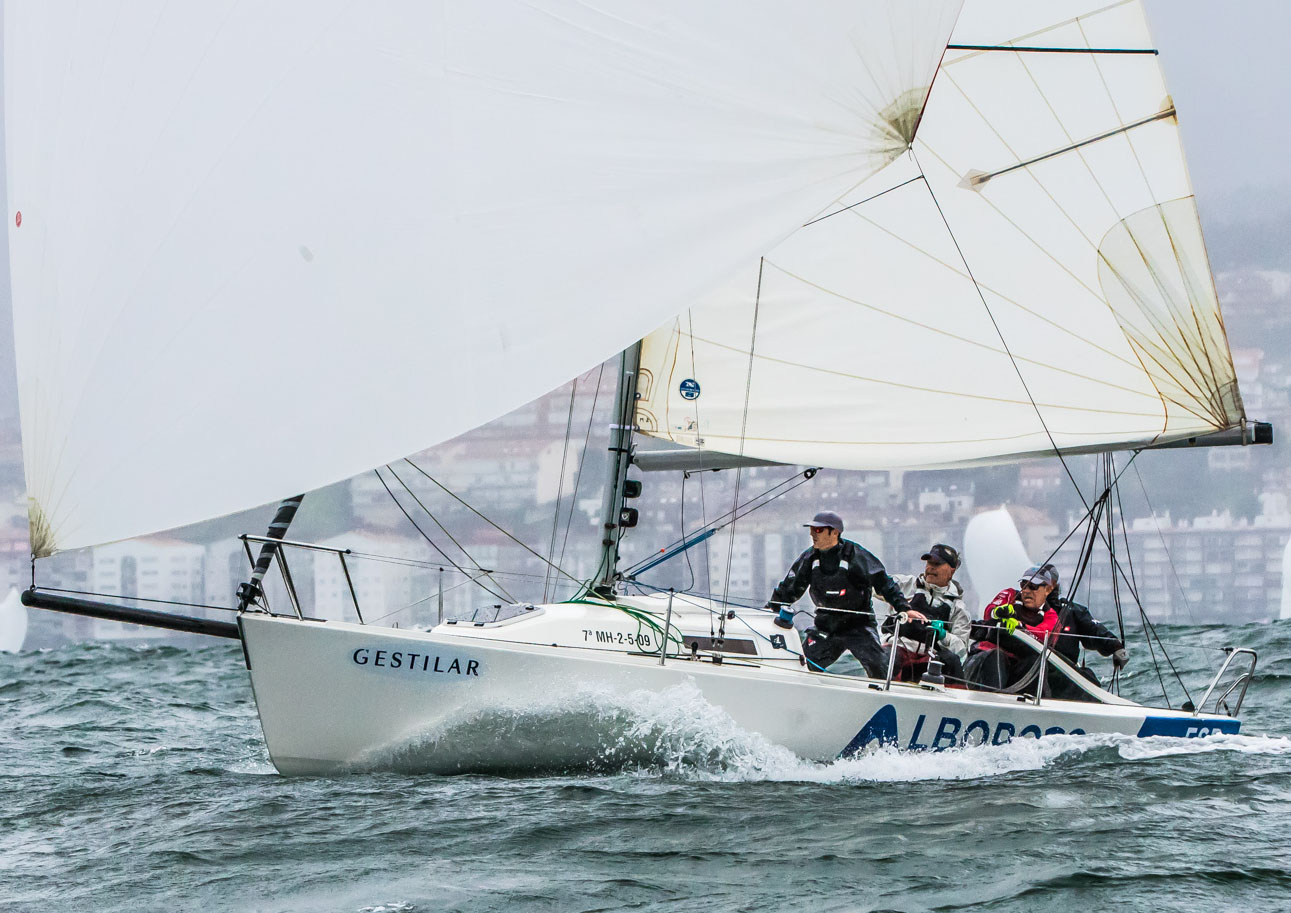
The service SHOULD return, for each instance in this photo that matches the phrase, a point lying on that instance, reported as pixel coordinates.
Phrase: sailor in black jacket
(841, 577)
(1076, 628)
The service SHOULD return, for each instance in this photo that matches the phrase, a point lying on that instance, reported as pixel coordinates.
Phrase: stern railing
(1238, 685)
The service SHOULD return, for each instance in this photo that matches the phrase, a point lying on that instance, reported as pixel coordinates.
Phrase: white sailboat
(258, 250)
(993, 550)
(13, 623)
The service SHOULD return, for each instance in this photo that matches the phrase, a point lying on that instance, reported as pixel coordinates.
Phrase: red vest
(1048, 621)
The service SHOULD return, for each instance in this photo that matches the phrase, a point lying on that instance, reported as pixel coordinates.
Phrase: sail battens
(993, 348)
(1039, 49)
(976, 178)
(1050, 278)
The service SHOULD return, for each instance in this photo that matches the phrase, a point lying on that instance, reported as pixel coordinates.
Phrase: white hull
(335, 696)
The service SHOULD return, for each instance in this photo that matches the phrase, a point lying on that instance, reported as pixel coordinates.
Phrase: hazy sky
(1226, 66)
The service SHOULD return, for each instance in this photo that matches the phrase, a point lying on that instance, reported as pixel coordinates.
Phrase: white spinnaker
(993, 553)
(1043, 225)
(257, 248)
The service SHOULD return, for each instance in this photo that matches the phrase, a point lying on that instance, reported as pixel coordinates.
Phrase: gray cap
(827, 518)
(1040, 574)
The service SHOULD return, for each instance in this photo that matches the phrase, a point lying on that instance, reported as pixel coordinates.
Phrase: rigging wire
(490, 522)
(685, 476)
(560, 489)
(1109, 469)
(963, 258)
(432, 542)
(744, 427)
(1039, 414)
(699, 440)
(766, 496)
(1129, 554)
(435, 519)
(582, 461)
(1161, 535)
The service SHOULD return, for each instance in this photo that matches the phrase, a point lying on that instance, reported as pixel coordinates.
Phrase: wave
(678, 734)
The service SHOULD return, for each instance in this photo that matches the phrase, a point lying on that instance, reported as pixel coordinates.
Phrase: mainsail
(1031, 276)
(257, 248)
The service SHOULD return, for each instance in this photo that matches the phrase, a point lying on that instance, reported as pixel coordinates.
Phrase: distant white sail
(1285, 611)
(13, 623)
(259, 247)
(994, 555)
(1033, 274)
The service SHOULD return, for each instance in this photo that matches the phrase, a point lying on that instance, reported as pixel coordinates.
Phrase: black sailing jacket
(1076, 627)
(843, 577)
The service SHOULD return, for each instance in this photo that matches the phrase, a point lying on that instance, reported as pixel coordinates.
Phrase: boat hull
(335, 696)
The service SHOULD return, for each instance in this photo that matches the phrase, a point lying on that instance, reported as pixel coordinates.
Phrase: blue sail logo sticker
(881, 728)
(690, 389)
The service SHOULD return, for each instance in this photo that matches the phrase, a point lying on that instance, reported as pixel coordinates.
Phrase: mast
(615, 517)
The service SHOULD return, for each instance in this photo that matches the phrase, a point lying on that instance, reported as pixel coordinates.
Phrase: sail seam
(1165, 417)
(1129, 444)
(1210, 394)
(940, 391)
(1022, 379)
(1165, 399)
(998, 294)
(964, 339)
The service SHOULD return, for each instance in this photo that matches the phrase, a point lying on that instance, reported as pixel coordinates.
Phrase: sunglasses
(1032, 586)
(820, 529)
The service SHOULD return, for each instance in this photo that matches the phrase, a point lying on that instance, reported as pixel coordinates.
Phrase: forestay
(1031, 275)
(259, 247)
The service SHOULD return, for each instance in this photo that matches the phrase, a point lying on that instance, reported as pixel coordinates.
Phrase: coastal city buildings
(1206, 531)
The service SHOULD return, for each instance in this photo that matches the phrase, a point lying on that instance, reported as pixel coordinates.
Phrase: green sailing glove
(938, 628)
(1009, 624)
(1003, 611)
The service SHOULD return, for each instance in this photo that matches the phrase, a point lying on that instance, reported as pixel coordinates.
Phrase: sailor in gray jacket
(936, 618)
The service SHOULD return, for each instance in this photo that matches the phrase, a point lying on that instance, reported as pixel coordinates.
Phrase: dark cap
(942, 554)
(1040, 574)
(827, 518)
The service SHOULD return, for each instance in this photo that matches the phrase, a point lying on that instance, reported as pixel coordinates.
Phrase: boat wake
(678, 734)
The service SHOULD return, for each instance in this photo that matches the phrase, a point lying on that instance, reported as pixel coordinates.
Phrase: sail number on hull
(618, 637)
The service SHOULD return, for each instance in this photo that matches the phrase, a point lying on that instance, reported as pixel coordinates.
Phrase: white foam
(678, 733)
(1160, 746)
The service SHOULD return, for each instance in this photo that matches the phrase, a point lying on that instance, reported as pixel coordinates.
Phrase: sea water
(135, 779)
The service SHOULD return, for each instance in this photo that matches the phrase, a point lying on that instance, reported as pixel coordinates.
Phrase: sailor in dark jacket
(841, 577)
(1077, 628)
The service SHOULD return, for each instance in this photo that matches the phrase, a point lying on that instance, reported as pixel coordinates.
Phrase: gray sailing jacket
(951, 598)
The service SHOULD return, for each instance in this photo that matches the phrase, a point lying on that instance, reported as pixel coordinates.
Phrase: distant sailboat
(259, 248)
(13, 623)
(993, 552)
(1286, 582)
